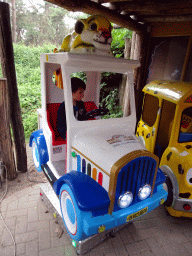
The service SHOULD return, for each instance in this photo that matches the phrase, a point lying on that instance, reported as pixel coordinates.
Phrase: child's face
(78, 95)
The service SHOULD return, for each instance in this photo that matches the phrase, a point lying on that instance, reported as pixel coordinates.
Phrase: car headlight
(125, 200)
(144, 192)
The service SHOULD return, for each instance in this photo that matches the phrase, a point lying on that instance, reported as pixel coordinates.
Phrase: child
(78, 88)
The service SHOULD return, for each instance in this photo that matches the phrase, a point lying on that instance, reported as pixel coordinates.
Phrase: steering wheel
(96, 112)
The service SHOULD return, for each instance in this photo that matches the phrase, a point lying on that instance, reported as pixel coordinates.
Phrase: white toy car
(102, 173)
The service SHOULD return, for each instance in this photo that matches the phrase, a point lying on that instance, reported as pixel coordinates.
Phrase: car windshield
(150, 109)
(105, 95)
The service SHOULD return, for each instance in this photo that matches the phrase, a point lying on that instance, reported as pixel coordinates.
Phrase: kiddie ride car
(165, 128)
(102, 174)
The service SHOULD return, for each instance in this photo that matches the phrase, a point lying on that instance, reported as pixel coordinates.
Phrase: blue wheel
(36, 155)
(71, 214)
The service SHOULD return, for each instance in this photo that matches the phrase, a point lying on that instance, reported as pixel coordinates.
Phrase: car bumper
(181, 208)
(94, 225)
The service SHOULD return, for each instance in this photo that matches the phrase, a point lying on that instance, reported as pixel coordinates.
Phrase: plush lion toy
(91, 35)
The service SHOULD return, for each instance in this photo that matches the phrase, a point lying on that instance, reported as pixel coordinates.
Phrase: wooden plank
(5, 133)
(166, 18)
(157, 8)
(8, 69)
(162, 29)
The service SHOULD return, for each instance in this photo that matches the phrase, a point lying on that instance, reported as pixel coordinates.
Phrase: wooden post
(142, 51)
(133, 56)
(124, 79)
(5, 133)
(8, 68)
(139, 51)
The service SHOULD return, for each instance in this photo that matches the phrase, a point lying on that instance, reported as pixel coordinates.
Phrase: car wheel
(169, 200)
(71, 214)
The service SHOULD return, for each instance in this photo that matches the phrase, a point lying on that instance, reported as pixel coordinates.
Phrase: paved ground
(35, 232)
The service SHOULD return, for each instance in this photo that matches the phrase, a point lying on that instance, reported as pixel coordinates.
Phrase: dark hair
(77, 83)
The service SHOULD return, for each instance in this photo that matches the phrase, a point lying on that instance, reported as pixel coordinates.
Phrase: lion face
(96, 31)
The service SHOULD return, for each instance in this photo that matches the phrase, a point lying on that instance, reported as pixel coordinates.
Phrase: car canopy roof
(174, 91)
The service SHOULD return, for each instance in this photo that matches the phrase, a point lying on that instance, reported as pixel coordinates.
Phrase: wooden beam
(5, 133)
(187, 58)
(165, 29)
(95, 8)
(158, 8)
(8, 68)
(161, 18)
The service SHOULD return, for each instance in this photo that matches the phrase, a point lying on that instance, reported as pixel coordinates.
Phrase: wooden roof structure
(135, 15)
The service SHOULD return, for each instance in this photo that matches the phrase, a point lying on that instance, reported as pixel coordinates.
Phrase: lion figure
(91, 35)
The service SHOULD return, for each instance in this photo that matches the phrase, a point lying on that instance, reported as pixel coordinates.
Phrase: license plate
(137, 214)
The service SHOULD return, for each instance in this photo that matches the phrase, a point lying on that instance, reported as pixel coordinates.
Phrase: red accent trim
(189, 99)
(187, 207)
(184, 124)
(90, 105)
(52, 109)
(100, 179)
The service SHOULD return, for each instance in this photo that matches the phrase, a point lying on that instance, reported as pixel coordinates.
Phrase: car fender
(168, 172)
(89, 194)
(41, 145)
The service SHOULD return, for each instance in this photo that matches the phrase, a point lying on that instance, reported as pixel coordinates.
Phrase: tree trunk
(7, 154)
(8, 68)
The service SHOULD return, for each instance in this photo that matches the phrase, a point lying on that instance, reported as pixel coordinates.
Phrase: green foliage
(111, 102)
(80, 75)
(111, 79)
(40, 23)
(118, 43)
(27, 64)
(109, 93)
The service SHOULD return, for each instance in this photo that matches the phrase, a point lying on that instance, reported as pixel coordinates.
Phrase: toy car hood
(106, 149)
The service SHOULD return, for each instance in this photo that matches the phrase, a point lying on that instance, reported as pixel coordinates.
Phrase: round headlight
(125, 200)
(144, 192)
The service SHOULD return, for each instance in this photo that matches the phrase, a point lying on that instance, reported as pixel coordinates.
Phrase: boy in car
(78, 88)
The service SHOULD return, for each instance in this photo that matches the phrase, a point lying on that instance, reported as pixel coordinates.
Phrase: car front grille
(135, 175)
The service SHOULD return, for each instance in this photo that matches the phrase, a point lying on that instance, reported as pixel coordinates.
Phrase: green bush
(111, 103)
(27, 65)
(118, 43)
